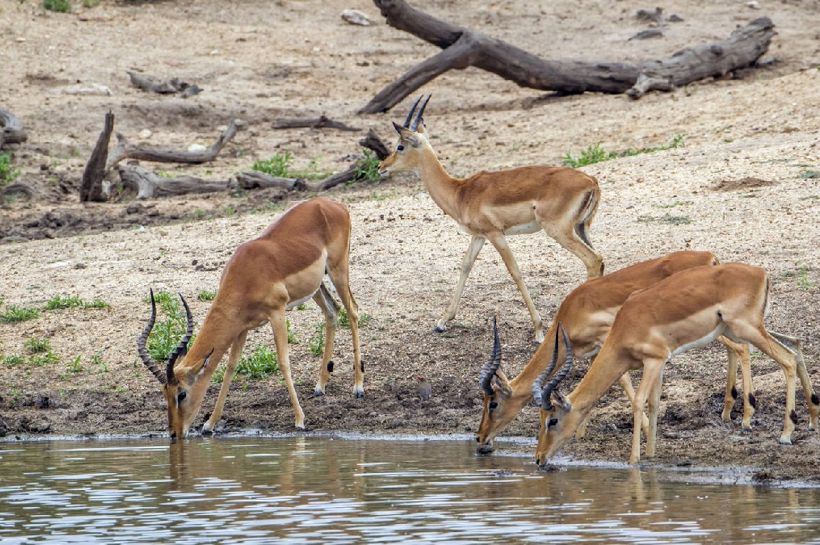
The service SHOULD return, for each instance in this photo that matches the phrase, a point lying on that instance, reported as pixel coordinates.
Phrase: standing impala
(491, 205)
(586, 315)
(686, 310)
(264, 277)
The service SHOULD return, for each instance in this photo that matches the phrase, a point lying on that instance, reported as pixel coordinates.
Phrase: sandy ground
(738, 187)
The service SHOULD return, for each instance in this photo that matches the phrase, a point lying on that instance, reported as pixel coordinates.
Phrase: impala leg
(730, 393)
(813, 402)
(280, 336)
(236, 351)
(329, 308)
(503, 248)
(749, 402)
(567, 236)
(341, 280)
(651, 373)
(476, 243)
(654, 402)
(626, 383)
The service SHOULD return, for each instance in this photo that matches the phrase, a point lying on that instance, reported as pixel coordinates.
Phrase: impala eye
(181, 396)
(493, 405)
(400, 147)
(552, 422)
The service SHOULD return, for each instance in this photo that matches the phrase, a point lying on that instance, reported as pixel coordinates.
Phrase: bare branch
(167, 87)
(94, 173)
(321, 122)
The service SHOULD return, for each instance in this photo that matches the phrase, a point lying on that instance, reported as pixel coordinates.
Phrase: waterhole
(329, 490)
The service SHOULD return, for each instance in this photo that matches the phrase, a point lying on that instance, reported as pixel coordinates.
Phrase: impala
(279, 270)
(686, 310)
(492, 205)
(587, 314)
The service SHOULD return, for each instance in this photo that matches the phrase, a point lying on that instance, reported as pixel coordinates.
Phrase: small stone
(145, 134)
(753, 4)
(355, 17)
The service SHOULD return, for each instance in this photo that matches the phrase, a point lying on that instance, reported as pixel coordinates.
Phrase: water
(324, 490)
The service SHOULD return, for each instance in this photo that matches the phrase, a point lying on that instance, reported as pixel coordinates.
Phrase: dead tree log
(11, 129)
(375, 144)
(148, 185)
(124, 150)
(463, 47)
(17, 188)
(168, 87)
(321, 122)
(260, 180)
(91, 187)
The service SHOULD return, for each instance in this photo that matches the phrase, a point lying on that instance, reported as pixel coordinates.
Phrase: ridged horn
(420, 115)
(537, 386)
(489, 369)
(182, 347)
(410, 114)
(143, 338)
(546, 393)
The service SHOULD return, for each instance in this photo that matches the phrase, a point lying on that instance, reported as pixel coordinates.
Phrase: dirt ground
(741, 186)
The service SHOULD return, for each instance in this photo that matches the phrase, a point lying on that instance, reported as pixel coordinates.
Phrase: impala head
(183, 391)
(412, 141)
(500, 405)
(558, 420)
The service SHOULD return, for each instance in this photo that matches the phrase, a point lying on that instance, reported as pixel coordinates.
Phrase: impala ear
(196, 373)
(407, 136)
(561, 401)
(502, 383)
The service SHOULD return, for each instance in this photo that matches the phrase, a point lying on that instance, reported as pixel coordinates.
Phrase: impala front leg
(236, 351)
(280, 336)
(651, 374)
(503, 248)
(476, 243)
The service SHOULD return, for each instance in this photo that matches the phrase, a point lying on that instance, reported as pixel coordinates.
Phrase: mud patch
(741, 184)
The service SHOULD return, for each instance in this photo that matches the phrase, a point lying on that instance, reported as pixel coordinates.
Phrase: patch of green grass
(803, 280)
(280, 166)
(39, 360)
(316, 343)
(14, 314)
(667, 218)
(36, 345)
(301, 306)
(809, 174)
(76, 365)
(261, 363)
(206, 295)
(344, 319)
(60, 302)
(60, 6)
(91, 3)
(596, 154)
(292, 338)
(13, 360)
(98, 362)
(7, 173)
(168, 331)
(674, 204)
(368, 167)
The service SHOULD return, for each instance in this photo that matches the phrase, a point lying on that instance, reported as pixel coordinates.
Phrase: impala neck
(604, 371)
(441, 186)
(217, 334)
(522, 384)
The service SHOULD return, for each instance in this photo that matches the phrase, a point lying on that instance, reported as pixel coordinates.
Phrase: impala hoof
(206, 431)
(318, 392)
(440, 328)
(359, 394)
(785, 440)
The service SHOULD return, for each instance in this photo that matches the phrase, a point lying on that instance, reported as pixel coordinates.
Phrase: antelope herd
(636, 318)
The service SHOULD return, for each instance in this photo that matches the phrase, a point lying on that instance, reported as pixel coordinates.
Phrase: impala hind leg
(476, 243)
(280, 336)
(571, 233)
(236, 351)
(738, 353)
(330, 310)
(503, 248)
(340, 277)
(812, 400)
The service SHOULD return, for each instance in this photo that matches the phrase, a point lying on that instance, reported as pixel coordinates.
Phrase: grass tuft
(206, 295)
(368, 167)
(596, 154)
(667, 219)
(316, 343)
(7, 173)
(60, 6)
(280, 166)
(261, 363)
(60, 302)
(36, 345)
(167, 332)
(14, 314)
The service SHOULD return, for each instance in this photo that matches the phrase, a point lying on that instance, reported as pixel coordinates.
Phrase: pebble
(145, 134)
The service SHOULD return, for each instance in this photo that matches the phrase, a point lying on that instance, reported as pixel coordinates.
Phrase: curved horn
(537, 386)
(546, 393)
(415, 124)
(182, 347)
(141, 340)
(410, 115)
(489, 369)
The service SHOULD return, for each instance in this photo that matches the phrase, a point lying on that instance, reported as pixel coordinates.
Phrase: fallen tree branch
(260, 180)
(321, 122)
(17, 187)
(463, 47)
(375, 144)
(91, 188)
(167, 87)
(148, 185)
(12, 129)
(124, 150)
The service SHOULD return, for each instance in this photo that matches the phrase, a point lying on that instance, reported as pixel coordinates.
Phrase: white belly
(294, 304)
(523, 229)
(703, 341)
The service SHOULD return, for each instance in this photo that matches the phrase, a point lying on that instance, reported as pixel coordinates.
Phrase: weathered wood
(741, 49)
(260, 180)
(17, 188)
(348, 175)
(91, 188)
(321, 122)
(167, 87)
(148, 185)
(11, 129)
(124, 150)
(375, 144)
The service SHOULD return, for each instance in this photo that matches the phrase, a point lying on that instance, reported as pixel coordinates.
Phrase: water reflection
(318, 490)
